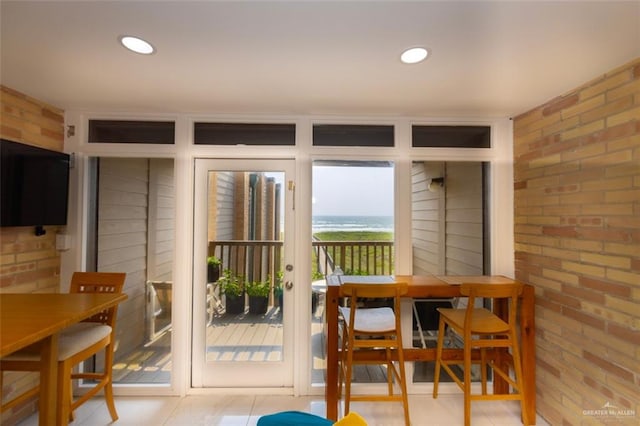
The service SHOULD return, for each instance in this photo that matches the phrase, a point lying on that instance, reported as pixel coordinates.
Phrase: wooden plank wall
(428, 221)
(161, 220)
(122, 239)
(447, 225)
(225, 202)
(463, 239)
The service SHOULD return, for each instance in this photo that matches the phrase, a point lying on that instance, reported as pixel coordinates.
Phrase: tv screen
(34, 187)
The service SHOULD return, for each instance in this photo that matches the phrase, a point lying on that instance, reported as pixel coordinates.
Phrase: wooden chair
(481, 329)
(373, 329)
(76, 344)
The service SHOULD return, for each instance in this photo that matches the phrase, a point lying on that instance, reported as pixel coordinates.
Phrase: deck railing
(354, 257)
(255, 260)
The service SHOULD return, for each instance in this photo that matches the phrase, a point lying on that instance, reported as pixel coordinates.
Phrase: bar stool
(77, 343)
(373, 330)
(481, 328)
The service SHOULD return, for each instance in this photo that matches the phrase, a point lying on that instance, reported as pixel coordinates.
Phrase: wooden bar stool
(482, 329)
(373, 329)
(77, 343)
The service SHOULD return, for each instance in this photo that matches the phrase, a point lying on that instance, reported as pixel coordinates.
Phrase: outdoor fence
(255, 260)
(354, 257)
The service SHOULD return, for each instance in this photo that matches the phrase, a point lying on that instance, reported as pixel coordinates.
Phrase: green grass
(354, 236)
(371, 260)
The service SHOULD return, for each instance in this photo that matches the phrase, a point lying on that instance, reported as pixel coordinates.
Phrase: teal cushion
(293, 418)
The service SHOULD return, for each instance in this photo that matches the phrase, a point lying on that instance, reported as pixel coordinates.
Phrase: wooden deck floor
(244, 338)
(148, 364)
(241, 337)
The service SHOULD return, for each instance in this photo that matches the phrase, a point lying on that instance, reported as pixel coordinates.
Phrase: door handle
(288, 285)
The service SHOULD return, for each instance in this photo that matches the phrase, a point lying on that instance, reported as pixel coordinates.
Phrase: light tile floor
(246, 410)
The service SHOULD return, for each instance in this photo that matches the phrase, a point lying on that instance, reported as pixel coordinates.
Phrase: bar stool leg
(436, 372)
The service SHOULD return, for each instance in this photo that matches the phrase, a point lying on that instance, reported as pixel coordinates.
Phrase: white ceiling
(312, 57)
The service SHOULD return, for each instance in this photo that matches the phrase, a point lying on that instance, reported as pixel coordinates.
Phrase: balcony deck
(148, 364)
(257, 338)
(245, 337)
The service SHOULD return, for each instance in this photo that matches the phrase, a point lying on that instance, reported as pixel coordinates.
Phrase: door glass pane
(245, 230)
(352, 219)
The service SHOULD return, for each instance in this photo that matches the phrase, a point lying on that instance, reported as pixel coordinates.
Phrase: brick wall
(577, 239)
(28, 263)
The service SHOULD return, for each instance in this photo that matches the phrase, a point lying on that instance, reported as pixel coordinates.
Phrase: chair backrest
(509, 291)
(99, 282)
(374, 290)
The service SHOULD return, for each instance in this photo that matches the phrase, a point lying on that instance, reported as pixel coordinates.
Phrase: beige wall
(428, 219)
(464, 218)
(161, 232)
(577, 240)
(221, 218)
(28, 264)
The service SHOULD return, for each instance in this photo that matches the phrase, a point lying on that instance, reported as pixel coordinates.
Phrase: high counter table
(436, 287)
(27, 318)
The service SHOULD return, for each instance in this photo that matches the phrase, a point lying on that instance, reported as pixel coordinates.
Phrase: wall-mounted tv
(34, 185)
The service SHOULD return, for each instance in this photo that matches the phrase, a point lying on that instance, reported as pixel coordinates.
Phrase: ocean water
(352, 223)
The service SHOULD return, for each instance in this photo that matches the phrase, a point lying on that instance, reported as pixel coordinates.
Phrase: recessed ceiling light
(414, 55)
(137, 45)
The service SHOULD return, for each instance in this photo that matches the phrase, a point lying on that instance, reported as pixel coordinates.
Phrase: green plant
(230, 284)
(259, 288)
(212, 260)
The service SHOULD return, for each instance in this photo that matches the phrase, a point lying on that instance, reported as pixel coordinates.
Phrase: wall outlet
(63, 242)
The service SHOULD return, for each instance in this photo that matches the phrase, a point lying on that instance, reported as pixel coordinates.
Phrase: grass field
(354, 236)
(366, 261)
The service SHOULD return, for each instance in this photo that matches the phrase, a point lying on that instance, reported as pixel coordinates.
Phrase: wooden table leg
(500, 385)
(331, 386)
(528, 338)
(528, 350)
(48, 377)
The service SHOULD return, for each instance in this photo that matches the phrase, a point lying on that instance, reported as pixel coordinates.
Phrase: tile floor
(245, 410)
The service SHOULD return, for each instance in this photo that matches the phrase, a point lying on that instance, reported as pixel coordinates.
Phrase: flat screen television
(34, 189)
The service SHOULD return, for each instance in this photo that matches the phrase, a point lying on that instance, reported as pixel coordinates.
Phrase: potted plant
(258, 292)
(232, 287)
(213, 269)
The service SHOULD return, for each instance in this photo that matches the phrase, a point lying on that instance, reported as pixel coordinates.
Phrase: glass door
(243, 273)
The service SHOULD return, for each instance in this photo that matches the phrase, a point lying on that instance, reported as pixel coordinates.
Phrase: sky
(352, 191)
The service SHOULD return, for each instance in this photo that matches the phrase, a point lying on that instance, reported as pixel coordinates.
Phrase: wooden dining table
(26, 319)
(435, 287)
